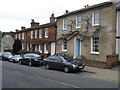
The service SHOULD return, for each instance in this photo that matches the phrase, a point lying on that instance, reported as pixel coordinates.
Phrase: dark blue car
(31, 59)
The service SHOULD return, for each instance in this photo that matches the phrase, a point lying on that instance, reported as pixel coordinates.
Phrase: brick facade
(30, 37)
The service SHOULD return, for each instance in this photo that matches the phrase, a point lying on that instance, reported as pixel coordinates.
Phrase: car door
(58, 62)
(25, 59)
(51, 61)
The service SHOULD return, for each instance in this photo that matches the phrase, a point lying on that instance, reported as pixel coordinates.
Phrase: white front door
(52, 48)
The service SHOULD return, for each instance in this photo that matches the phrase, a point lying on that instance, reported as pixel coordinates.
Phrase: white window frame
(46, 32)
(64, 24)
(40, 49)
(95, 16)
(31, 34)
(40, 33)
(36, 33)
(23, 36)
(63, 46)
(27, 47)
(92, 50)
(36, 48)
(45, 48)
(78, 21)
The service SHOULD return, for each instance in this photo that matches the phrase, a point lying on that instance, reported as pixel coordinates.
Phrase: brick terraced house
(38, 38)
(89, 34)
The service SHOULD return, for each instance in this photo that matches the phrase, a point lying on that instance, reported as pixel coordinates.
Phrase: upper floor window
(64, 46)
(31, 34)
(95, 18)
(36, 33)
(19, 36)
(45, 48)
(78, 22)
(40, 33)
(46, 32)
(22, 35)
(95, 45)
(64, 24)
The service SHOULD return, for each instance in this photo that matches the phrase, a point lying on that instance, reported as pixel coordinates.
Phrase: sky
(17, 13)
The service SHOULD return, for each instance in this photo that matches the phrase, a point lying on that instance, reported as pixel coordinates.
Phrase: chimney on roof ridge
(33, 23)
(16, 30)
(52, 18)
(66, 11)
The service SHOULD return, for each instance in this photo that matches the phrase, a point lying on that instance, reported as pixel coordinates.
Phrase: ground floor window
(45, 48)
(40, 49)
(95, 45)
(36, 48)
(64, 46)
(27, 47)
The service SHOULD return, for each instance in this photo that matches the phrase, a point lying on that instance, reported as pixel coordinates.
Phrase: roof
(88, 8)
(38, 27)
(118, 6)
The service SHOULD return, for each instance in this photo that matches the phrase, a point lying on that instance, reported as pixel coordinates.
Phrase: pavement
(103, 74)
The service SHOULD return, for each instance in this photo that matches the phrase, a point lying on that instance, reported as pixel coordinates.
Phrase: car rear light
(35, 59)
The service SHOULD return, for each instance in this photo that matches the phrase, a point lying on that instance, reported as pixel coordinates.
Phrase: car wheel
(20, 62)
(30, 63)
(66, 69)
(47, 66)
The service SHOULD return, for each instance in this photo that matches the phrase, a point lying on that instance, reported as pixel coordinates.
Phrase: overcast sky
(17, 13)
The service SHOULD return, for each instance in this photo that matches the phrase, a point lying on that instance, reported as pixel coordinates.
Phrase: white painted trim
(76, 22)
(93, 18)
(75, 47)
(45, 51)
(64, 23)
(53, 47)
(92, 46)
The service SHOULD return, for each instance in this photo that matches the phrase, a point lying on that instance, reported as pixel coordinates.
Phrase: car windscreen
(68, 58)
(35, 55)
(7, 54)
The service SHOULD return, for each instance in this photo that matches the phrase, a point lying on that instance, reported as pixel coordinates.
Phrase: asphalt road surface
(23, 76)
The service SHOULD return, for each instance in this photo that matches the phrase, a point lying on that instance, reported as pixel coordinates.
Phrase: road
(23, 76)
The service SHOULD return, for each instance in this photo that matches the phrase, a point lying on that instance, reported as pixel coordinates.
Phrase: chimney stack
(52, 18)
(16, 30)
(33, 23)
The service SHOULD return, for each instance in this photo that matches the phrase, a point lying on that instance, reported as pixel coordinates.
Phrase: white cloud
(17, 13)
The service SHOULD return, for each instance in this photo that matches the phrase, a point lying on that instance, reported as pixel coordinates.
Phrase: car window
(51, 58)
(58, 58)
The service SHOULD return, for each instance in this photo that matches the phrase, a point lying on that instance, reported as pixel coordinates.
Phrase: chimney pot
(22, 28)
(66, 11)
(32, 20)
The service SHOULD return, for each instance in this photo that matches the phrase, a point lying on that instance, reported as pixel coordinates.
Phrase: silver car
(15, 58)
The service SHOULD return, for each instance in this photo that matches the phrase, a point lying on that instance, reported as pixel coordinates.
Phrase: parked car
(1, 53)
(31, 59)
(6, 56)
(15, 58)
(63, 62)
